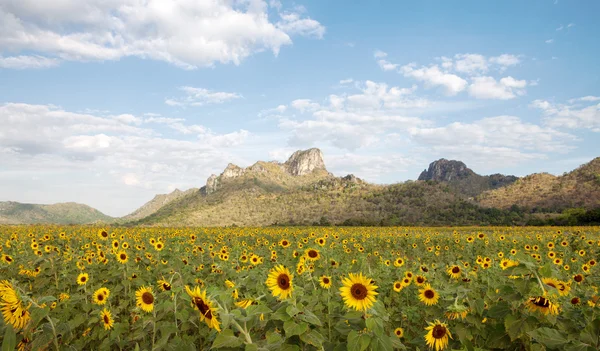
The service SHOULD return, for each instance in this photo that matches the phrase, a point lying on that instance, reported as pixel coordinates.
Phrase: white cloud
(387, 66)
(561, 27)
(505, 60)
(571, 25)
(379, 54)
(346, 81)
(292, 23)
(488, 88)
(549, 41)
(432, 76)
(27, 62)
(185, 33)
(504, 139)
(573, 116)
(95, 159)
(470, 63)
(200, 97)
(304, 105)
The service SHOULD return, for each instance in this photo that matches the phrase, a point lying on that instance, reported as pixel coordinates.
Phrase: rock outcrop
(301, 163)
(444, 170)
(304, 162)
(462, 179)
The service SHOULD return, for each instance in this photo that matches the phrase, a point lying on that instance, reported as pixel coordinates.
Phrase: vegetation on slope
(62, 213)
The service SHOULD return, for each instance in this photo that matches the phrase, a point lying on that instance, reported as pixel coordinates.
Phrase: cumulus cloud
(27, 62)
(432, 76)
(488, 88)
(185, 33)
(493, 139)
(580, 114)
(45, 139)
(200, 96)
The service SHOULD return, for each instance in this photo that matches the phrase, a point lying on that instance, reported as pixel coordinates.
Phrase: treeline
(573, 216)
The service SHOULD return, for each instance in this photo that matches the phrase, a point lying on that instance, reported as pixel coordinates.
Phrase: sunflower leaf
(548, 337)
(292, 328)
(226, 339)
(10, 339)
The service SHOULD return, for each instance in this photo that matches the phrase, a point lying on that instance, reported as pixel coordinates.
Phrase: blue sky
(108, 103)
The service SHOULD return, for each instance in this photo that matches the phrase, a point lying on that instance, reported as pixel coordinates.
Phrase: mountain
(157, 203)
(62, 213)
(462, 179)
(302, 191)
(544, 192)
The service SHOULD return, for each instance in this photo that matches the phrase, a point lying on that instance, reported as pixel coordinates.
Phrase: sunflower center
(541, 302)
(100, 297)
(106, 319)
(312, 253)
(439, 331)
(420, 280)
(83, 279)
(429, 294)
(325, 280)
(283, 281)
(455, 270)
(578, 278)
(398, 285)
(123, 256)
(166, 286)
(147, 298)
(359, 291)
(104, 234)
(552, 285)
(575, 301)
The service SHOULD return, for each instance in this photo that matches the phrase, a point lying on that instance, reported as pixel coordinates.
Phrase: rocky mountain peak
(304, 162)
(444, 170)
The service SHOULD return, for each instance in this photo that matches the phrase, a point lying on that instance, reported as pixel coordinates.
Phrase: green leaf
(499, 310)
(280, 315)
(226, 339)
(375, 325)
(548, 337)
(313, 337)
(292, 310)
(382, 343)
(517, 327)
(10, 339)
(577, 345)
(251, 347)
(591, 334)
(292, 328)
(310, 318)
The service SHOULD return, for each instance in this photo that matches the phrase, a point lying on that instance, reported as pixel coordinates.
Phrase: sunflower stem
(540, 282)
(243, 330)
(153, 327)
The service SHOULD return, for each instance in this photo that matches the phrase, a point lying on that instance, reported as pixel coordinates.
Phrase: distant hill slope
(157, 203)
(62, 213)
(545, 192)
(462, 179)
(301, 191)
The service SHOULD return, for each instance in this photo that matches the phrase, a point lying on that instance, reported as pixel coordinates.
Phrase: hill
(462, 179)
(157, 203)
(302, 191)
(543, 192)
(61, 213)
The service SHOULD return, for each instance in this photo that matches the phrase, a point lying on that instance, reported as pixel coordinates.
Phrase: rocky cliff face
(302, 162)
(444, 170)
(462, 179)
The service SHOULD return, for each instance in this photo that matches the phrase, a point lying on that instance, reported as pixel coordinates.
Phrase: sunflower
(122, 257)
(428, 295)
(144, 298)
(7, 259)
(101, 296)
(398, 286)
(102, 234)
(437, 336)
(541, 304)
(420, 280)
(454, 271)
(83, 278)
(578, 278)
(358, 292)
(11, 306)
(325, 282)
(229, 284)
(244, 303)
(399, 332)
(204, 306)
(163, 285)
(106, 318)
(279, 282)
(312, 254)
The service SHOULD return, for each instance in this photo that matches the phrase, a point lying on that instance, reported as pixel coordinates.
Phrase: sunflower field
(299, 288)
